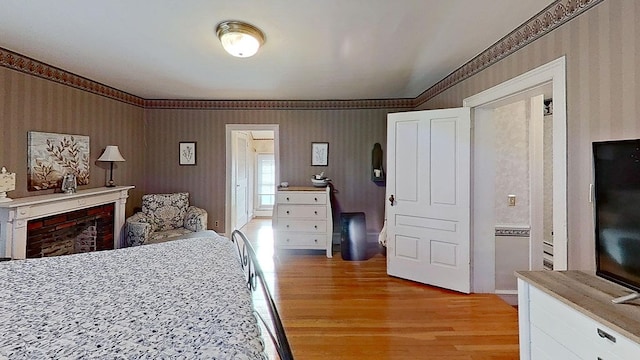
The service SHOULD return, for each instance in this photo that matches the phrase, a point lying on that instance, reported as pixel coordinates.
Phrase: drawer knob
(315, 240)
(287, 198)
(603, 334)
(287, 240)
(315, 212)
(287, 226)
(288, 212)
(316, 199)
(315, 226)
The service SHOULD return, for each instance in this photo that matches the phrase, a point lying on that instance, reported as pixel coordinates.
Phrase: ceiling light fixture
(240, 39)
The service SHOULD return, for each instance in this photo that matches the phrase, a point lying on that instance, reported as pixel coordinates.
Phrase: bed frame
(255, 280)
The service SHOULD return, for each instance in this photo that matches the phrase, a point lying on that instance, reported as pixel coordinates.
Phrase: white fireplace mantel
(14, 215)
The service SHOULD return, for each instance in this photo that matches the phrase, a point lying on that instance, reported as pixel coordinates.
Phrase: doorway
(246, 194)
(549, 81)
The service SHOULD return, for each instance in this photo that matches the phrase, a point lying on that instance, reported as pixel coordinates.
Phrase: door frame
(553, 73)
(229, 129)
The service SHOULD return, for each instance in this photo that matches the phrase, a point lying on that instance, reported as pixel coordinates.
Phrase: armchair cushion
(166, 211)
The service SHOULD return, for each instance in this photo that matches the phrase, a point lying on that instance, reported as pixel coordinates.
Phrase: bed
(184, 299)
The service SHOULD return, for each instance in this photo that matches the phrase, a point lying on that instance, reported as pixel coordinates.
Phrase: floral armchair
(164, 217)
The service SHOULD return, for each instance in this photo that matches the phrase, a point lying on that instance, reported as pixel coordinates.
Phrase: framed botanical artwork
(187, 153)
(319, 154)
(51, 156)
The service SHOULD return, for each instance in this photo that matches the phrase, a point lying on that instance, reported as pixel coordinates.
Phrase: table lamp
(111, 154)
(7, 183)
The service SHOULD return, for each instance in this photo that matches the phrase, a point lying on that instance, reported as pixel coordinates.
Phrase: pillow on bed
(166, 211)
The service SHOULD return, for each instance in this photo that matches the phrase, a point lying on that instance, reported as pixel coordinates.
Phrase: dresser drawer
(301, 241)
(319, 226)
(301, 198)
(578, 332)
(298, 211)
(544, 347)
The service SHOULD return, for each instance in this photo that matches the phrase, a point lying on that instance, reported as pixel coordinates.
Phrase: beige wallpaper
(351, 134)
(28, 103)
(512, 163)
(602, 48)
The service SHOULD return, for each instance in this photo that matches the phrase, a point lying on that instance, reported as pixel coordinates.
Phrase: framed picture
(51, 156)
(319, 154)
(187, 153)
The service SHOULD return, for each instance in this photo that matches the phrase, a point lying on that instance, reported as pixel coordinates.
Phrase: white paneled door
(428, 197)
(242, 180)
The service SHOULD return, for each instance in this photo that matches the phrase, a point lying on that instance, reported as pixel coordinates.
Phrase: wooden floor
(336, 309)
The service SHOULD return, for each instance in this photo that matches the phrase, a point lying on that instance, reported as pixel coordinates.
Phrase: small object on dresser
(7, 183)
(319, 180)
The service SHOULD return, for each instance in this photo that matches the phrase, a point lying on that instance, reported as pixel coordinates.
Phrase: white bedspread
(184, 299)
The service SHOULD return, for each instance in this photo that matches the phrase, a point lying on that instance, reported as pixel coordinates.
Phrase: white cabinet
(303, 220)
(569, 315)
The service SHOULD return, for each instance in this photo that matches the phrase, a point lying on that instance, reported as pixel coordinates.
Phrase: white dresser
(302, 219)
(569, 315)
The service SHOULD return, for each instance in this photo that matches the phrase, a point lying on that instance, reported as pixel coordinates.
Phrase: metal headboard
(255, 280)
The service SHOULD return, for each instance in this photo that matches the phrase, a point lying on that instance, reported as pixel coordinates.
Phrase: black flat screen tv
(617, 211)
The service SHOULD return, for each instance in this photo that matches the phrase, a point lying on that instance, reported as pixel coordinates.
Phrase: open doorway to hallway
(252, 172)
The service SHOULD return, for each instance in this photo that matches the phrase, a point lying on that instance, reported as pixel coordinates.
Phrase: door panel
(242, 180)
(428, 223)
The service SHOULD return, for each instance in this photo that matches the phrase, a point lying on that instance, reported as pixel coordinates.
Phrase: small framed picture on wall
(319, 154)
(187, 153)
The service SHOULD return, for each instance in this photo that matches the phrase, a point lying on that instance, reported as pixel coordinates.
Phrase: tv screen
(617, 211)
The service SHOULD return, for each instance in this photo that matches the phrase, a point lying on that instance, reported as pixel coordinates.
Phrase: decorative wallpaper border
(279, 104)
(27, 65)
(544, 22)
(556, 14)
(516, 231)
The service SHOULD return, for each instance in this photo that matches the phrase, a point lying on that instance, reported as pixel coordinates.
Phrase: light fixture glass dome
(240, 39)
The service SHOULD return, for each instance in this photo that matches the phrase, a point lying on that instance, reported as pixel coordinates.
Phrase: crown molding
(555, 15)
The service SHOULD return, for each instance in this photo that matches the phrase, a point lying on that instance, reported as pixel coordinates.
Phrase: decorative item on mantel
(69, 184)
(7, 183)
(111, 154)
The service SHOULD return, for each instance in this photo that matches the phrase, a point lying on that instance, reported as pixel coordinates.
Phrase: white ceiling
(315, 49)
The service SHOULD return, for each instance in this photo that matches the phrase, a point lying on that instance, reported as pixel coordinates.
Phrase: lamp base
(4, 198)
(111, 183)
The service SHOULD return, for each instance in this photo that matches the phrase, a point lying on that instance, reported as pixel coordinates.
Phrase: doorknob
(391, 199)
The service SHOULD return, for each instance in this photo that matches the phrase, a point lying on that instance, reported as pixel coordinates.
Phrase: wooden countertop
(591, 296)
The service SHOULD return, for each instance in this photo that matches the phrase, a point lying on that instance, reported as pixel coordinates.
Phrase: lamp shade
(240, 39)
(111, 153)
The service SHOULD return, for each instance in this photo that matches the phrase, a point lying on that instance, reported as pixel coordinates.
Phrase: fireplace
(83, 230)
(99, 210)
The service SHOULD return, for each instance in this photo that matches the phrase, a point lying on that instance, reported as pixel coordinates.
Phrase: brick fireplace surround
(89, 207)
(62, 234)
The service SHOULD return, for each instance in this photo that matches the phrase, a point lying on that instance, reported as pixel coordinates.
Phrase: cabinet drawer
(545, 347)
(299, 211)
(319, 226)
(578, 332)
(301, 241)
(301, 198)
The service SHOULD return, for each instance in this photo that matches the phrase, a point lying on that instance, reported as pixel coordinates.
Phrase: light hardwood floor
(336, 309)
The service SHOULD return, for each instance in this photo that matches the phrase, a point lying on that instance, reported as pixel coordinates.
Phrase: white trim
(229, 129)
(553, 72)
(536, 182)
(506, 292)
